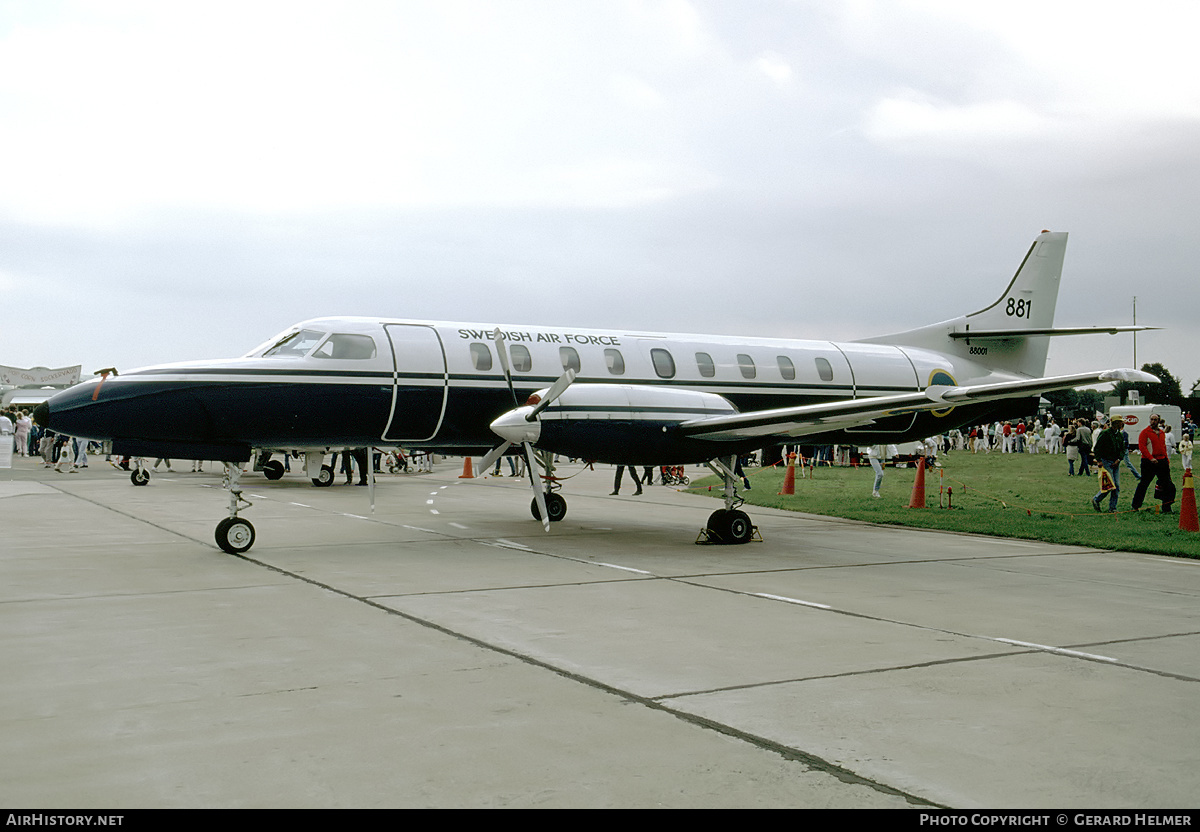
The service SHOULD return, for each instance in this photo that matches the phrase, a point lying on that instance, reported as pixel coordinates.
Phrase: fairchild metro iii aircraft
(641, 398)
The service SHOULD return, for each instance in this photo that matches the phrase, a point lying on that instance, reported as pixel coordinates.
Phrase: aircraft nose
(41, 414)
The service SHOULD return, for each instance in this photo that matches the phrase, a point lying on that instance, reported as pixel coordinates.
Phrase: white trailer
(1140, 415)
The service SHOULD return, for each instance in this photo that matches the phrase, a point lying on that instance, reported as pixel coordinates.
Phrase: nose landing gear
(234, 534)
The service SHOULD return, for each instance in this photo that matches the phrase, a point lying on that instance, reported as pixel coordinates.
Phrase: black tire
(235, 535)
(140, 477)
(273, 470)
(718, 524)
(556, 507)
(326, 477)
(739, 527)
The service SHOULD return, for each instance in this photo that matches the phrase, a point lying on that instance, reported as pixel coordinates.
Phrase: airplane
(632, 398)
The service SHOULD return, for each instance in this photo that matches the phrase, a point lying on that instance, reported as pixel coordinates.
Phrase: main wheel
(739, 526)
(273, 469)
(140, 476)
(718, 523)
(556, 507)
(235, 535)
(325, 478)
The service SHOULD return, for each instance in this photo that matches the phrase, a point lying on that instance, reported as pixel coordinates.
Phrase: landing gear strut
(556, 504)
(234, 534)
(729, 524)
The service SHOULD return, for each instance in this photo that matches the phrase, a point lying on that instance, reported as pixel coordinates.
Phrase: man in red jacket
(1152, 445)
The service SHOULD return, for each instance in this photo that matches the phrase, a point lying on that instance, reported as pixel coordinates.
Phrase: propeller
(502, 352)
(557, 389)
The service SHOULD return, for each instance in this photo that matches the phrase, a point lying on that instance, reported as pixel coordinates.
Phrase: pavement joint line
(811, 761)
(1029, 646)
(846, 674)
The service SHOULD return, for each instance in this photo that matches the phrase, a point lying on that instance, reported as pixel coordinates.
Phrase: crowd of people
(1096, 447)
(58, 451)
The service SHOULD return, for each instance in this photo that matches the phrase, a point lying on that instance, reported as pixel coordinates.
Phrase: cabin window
(296, 344)
(786, 368)
(481, 357)
(347, 347)
(522, 361)
(569, 357)
(824, 369)
(615, 362)
(664, 364)
(746, 365)
(705, 364)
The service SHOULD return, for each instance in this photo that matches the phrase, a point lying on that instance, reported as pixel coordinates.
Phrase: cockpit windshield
(295, 344)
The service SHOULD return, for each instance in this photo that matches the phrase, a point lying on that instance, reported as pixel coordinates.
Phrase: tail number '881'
(1019, 308)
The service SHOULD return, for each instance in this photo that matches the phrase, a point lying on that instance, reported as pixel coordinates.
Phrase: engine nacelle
(618, 423)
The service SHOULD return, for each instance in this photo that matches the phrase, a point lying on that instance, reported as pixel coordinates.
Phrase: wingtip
(1128, 374)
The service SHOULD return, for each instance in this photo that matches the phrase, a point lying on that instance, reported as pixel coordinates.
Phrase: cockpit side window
(347, 347)
(295, 344)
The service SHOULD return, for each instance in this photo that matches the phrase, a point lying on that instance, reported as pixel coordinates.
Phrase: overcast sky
(183, 180)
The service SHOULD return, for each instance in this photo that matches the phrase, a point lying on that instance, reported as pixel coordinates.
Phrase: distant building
(26, 389)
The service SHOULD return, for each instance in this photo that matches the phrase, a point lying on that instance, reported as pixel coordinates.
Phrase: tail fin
(1029, 301)
(1015, 328)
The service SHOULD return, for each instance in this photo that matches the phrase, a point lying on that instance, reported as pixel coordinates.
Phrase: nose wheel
(234, 534)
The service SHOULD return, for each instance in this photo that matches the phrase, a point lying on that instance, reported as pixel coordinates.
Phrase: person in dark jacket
(1109, 449)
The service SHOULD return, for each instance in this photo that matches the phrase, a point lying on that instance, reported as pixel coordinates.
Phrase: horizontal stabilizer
(1002, 334)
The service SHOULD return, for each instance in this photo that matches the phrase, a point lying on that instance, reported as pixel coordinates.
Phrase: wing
(818, 418)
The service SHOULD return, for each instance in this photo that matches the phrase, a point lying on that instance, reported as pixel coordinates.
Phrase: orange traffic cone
(1187, 505)
(468, 469)
(789, 479)
(918, 493)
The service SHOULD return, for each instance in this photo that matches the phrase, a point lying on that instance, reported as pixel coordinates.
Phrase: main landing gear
(234, 534)
(729, 524)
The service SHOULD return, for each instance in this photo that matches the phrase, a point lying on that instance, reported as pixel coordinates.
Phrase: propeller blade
(371, 477)
(557, 389)
(537, 488)
(502, 352)
(493, 455)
